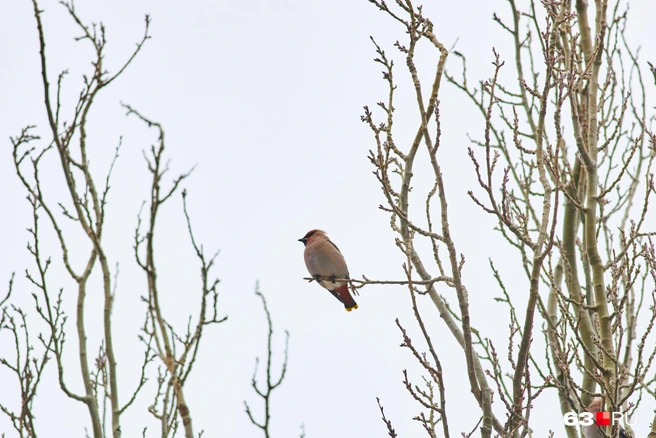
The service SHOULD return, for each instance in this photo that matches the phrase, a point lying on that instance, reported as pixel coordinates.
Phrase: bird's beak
(304, 240)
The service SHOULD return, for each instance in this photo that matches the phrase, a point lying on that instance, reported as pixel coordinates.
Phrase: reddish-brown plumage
(323, 259)
(346, 298)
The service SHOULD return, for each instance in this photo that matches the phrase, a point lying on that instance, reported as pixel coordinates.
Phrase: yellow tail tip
(348, 309)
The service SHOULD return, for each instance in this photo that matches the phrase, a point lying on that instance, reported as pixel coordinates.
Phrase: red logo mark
(602, 419)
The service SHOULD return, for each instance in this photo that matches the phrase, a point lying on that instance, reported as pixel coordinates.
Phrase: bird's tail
(347, 299)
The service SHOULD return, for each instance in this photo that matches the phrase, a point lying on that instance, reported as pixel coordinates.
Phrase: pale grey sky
(265, 97)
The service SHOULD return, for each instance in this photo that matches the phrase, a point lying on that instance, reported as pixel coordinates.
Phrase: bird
(593, 431)
(326, 263)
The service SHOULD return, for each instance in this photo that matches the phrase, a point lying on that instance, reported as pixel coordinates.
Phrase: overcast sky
(265, 98)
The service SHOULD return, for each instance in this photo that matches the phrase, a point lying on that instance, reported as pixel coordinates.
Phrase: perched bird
(323, 259)
(593, 431)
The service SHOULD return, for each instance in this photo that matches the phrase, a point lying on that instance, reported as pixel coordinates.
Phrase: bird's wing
(331, 242)
(336, 295)
(335, 246)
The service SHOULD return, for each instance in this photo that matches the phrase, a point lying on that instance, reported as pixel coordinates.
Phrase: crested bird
(326, 263)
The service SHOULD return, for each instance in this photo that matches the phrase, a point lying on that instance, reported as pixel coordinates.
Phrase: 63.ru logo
(598, 418)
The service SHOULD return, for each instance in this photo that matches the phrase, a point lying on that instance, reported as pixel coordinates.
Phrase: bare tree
(270, 383)
(27, 368)
(564, 165)
(177, 352)
(86, 209)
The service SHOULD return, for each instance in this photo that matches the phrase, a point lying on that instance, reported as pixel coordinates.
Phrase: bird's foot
(317, 278)
(332, 278)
